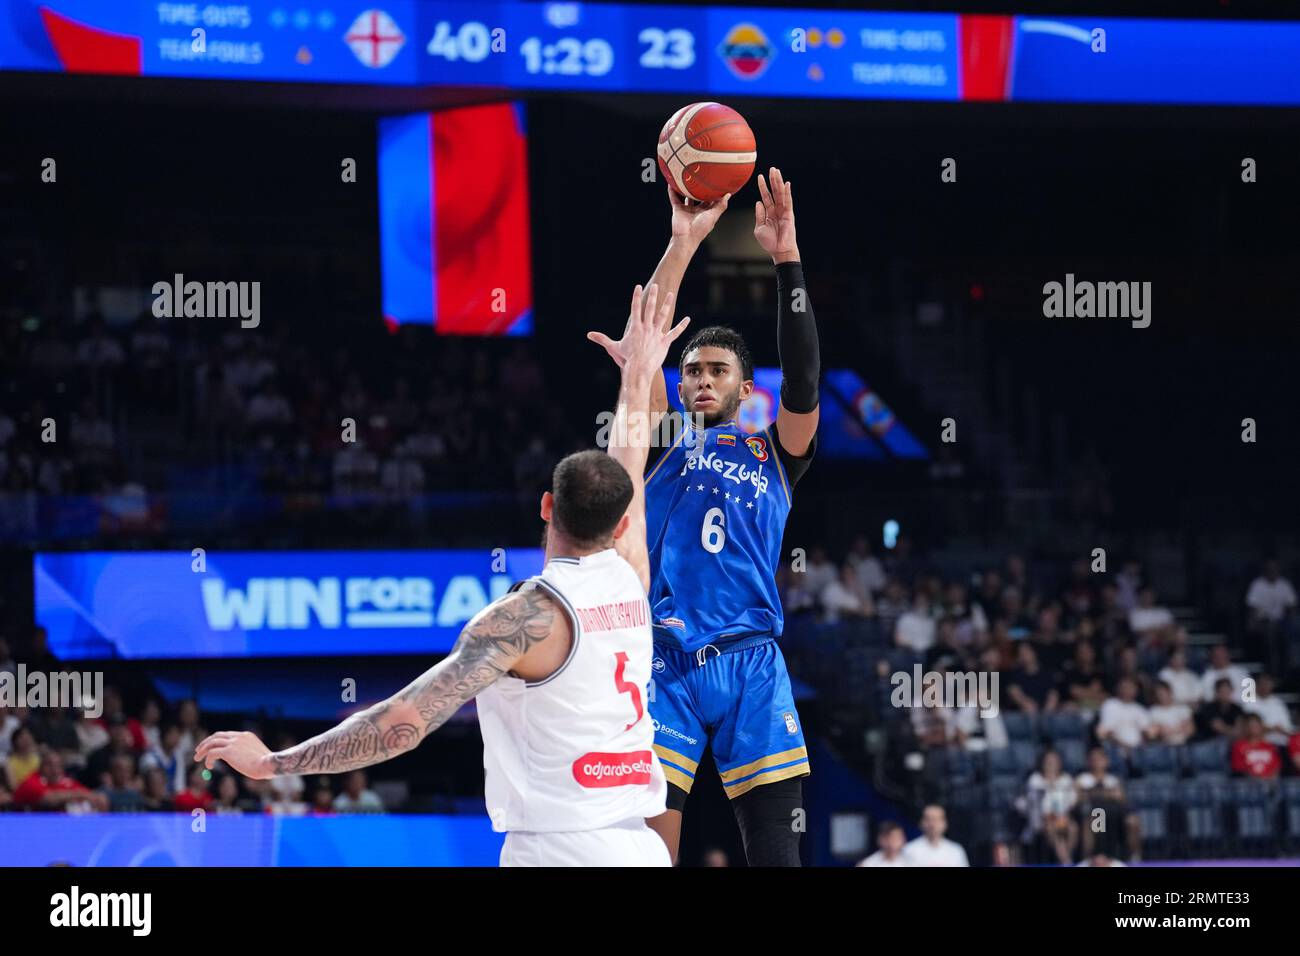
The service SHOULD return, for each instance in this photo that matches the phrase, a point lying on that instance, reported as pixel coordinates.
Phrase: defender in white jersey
(561, 665)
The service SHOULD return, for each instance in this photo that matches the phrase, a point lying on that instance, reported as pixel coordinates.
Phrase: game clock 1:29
(473, 41)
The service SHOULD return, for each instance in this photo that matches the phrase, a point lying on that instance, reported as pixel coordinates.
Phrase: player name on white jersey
(608, 617)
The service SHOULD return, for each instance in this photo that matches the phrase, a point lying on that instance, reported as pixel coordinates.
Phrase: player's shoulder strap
(538, 582)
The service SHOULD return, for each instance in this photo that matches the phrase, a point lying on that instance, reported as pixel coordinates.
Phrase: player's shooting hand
(694, 220)
(243, 751)
(774, 218)
(649, 332)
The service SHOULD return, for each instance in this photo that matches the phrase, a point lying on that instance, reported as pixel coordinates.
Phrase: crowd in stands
(129, 411)
(1094, 684)
(61, 760)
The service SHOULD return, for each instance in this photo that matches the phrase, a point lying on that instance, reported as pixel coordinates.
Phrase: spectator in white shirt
(1270, 597)
(819, 573)
(932, 848)
(871, 573)
(1127, 584)
(1272, 710)
(1222, 668)
(915, 629)
(968, 727)
(890, 839)
(268, 409)
(845, 597)
(357, 797)
(1184, 682)
(1099, 789)
(1171, 722)
(1149, 620)
(1122, 719)
(1048, 801)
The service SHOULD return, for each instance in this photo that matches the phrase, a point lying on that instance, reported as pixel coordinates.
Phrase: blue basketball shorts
(737, 700)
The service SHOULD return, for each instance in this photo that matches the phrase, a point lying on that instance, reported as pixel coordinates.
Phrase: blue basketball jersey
(716, 505)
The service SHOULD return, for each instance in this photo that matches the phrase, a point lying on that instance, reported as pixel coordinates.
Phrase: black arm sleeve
(796, 336)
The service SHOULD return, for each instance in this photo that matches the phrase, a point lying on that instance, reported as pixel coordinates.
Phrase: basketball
(707, 150)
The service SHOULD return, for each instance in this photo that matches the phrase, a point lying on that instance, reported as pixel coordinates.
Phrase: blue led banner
(169, 839)
(267, 604)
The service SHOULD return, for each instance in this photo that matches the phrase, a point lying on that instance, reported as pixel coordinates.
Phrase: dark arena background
(269, 519)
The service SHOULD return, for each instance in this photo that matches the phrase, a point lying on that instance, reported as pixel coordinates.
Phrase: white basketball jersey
(575, 751)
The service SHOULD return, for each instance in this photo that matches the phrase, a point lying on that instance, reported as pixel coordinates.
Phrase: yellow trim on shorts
(772, 776)
(677, 778)
(785, 756)
(686, 763)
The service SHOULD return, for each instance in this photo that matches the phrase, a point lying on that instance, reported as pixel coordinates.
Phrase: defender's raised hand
(650, 331)
(657, 317)
(774, 218)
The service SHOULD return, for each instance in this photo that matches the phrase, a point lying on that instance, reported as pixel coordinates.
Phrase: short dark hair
(886, 828)
(721, 337)
(591, 492)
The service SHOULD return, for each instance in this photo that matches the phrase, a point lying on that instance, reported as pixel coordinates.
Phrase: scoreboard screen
(632, 48)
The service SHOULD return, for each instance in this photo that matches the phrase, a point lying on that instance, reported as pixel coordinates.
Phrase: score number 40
(473, 41)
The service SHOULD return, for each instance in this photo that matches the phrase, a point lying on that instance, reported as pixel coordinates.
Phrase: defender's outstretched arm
(645, 345)
(491, 644)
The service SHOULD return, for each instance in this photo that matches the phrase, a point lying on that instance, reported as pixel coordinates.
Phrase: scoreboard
(632, 48)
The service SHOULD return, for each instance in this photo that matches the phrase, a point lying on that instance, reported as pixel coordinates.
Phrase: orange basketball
(707, 150)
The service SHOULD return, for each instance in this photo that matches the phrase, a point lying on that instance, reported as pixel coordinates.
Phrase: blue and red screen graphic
(453, 211)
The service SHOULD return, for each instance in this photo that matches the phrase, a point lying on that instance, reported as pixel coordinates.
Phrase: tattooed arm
(490, 646)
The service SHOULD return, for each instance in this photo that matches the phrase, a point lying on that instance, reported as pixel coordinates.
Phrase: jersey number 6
(713, 535)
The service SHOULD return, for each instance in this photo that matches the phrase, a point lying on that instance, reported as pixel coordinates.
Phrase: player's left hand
(243, 751)
(774, 218)
(647, 336)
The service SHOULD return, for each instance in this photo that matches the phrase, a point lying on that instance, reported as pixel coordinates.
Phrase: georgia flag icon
(375, 39)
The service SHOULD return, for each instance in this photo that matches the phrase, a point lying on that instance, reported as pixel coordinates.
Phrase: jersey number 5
(627, 687)
(714, 533)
